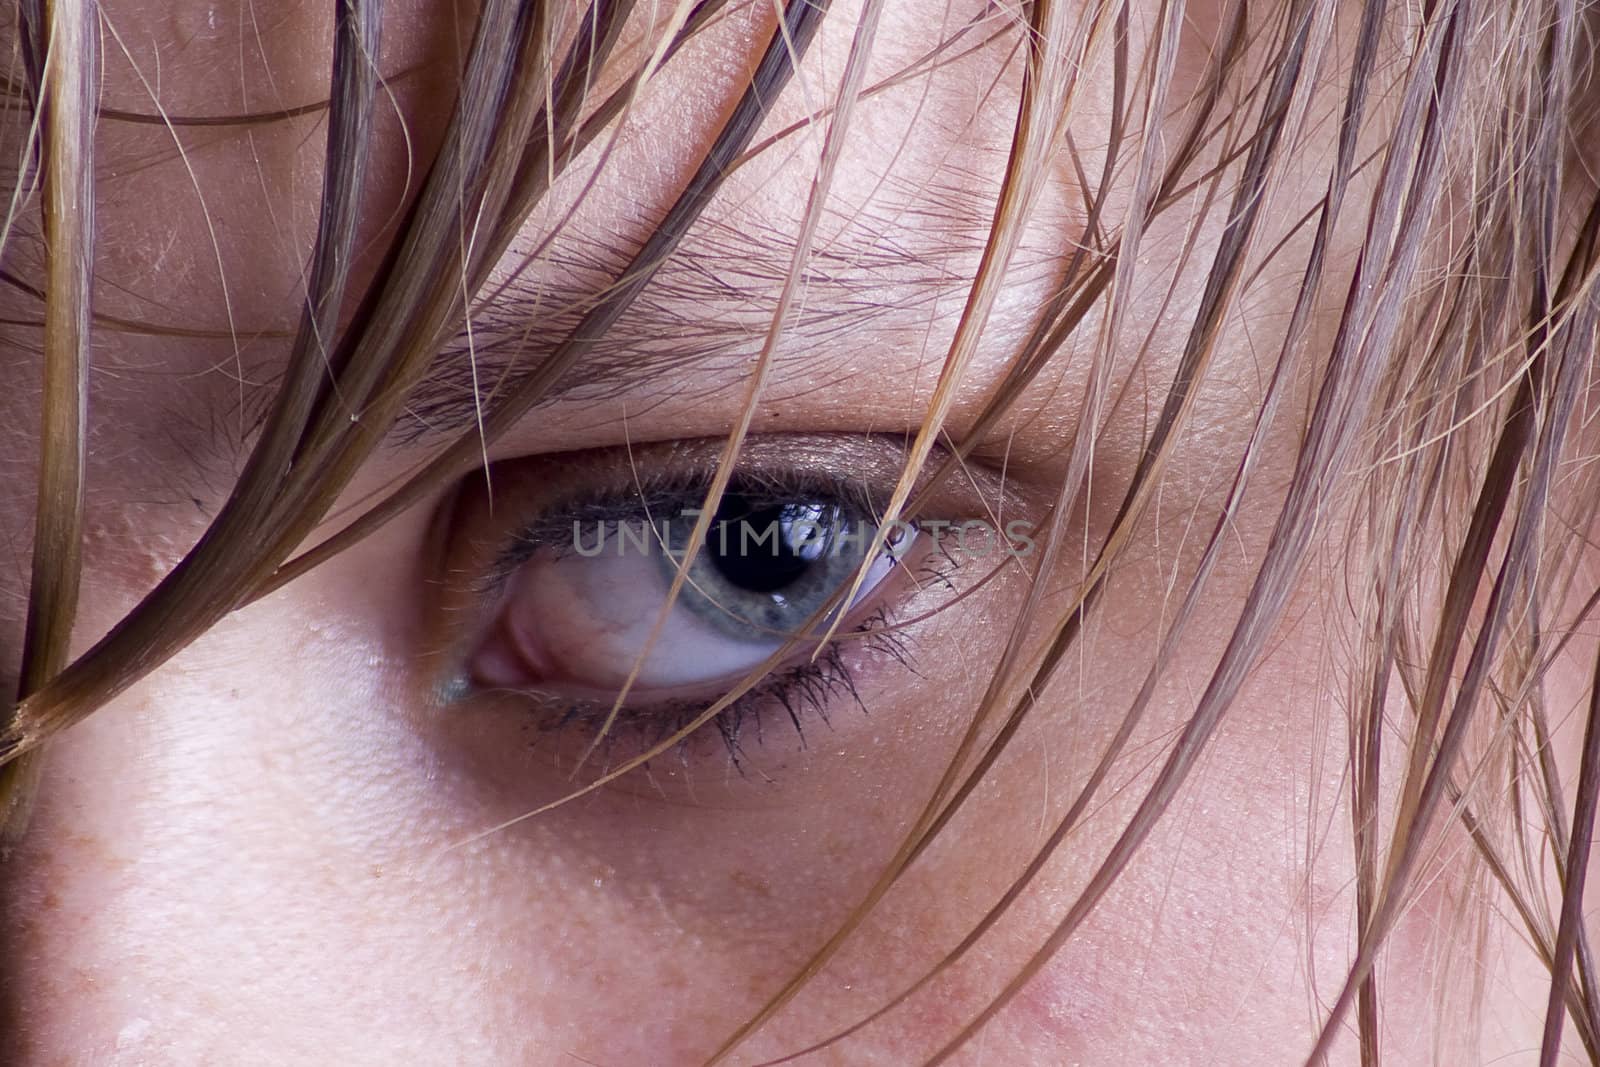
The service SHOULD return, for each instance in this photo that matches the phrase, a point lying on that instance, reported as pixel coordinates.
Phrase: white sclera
(586, 617)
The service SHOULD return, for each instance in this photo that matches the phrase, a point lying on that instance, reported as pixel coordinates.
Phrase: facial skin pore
(274, 847)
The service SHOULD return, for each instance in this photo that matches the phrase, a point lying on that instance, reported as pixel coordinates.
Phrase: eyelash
(661, 493)
(797, 693)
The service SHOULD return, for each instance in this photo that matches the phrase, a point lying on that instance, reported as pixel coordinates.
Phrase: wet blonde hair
(1450, 406)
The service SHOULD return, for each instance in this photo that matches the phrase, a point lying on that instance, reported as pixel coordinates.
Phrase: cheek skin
(252, 850)
(249, 853)
(226, 862)
(253, 855)
(188, 863)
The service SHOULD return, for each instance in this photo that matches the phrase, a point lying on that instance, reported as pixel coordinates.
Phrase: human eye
(564, 568)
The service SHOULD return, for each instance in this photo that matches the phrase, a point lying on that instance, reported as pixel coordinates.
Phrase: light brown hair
(1449, 411)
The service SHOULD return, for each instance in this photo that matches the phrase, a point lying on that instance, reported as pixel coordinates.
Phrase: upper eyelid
(794, 462)
(858, 469)
(556, 526)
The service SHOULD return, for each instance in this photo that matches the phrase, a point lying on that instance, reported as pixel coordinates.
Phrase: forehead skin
(244, 852)
(907, 218)
(908, 215)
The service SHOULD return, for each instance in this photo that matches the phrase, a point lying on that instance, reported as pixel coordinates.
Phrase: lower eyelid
(497, 666)
(797, 697)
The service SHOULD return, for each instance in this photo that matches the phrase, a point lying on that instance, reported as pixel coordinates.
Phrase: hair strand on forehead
(60, 36)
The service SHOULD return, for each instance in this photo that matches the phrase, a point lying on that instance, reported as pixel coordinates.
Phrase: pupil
(765, 548)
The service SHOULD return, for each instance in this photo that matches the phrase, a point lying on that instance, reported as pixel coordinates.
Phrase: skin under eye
(576, 618)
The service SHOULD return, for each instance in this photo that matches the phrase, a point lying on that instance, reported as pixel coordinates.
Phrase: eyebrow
(707, 310)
